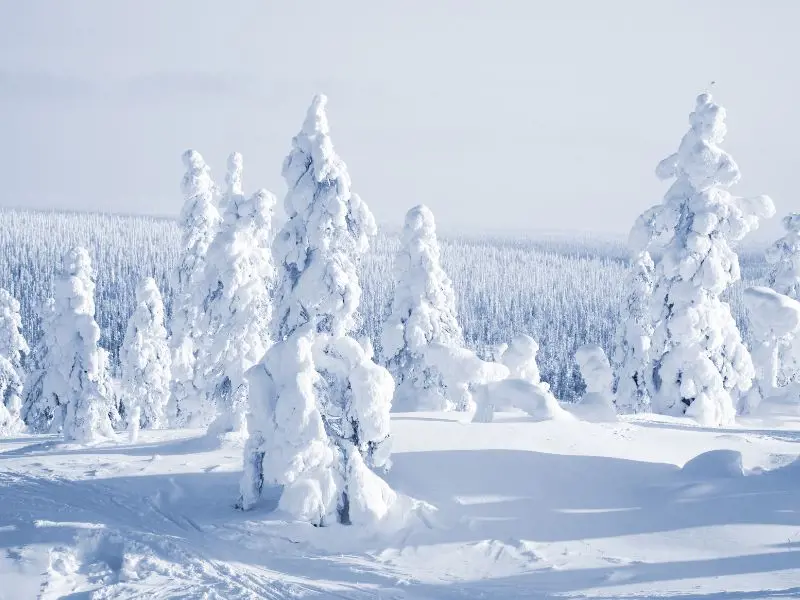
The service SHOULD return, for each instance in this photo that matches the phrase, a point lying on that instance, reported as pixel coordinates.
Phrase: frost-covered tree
(39, 407)
(239, 278)
(146, 361)
(700, 365)
(597, 402)
(784, 256)
(199, 223)
(74, 389)
(13, 351)
(423, 312)
(784, 278)
(632, 344)
(319, 406)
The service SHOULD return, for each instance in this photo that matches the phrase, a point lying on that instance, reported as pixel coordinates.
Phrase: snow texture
(699, 364)
(317, 398)
(597, 403)
(199, 222)
(631, 356)
(146, 361)
(236, 303)
(775, 322)
(75, 387)
(423, 312)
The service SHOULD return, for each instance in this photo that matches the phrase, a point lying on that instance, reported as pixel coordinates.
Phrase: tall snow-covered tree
(40, 411)
(319, 406)
(423, 312)
(75, 385)
(146, 361)
(239, 278)
(700, 365)
(631, 356)
(199, 223)
(784, 278)
(13, 350)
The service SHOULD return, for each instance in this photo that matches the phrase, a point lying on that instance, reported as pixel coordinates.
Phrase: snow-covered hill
(522, 510)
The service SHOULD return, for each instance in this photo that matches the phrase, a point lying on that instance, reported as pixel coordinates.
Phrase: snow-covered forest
(579, 278)
(216, 399)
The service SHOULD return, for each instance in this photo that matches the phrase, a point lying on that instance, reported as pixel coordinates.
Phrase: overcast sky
(497, 114)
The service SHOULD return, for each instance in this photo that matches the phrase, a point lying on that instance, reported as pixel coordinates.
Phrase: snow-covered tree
(632, 344)
(423, 312)
(39, 407)
(784, 278)
(239, 278)
(784, 256)
(700, 365)
(199, 223)
(74, 388)
(146, 361)
(319, 406)
(13, 350)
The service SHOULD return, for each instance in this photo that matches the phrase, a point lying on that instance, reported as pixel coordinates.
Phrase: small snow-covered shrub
(597, 403)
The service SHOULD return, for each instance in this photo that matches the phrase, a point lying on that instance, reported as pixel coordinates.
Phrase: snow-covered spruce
(775, 321)
(700, 366)
(631, 356)
(199, 222)
(146, 361)
(13, 351)
(239, 277)
(39, 408)
(597, 403)
(319, 406)
(423, 312)
(784, 278)
(74, 391)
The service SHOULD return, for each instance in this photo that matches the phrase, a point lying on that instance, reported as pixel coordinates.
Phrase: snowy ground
(526, 510)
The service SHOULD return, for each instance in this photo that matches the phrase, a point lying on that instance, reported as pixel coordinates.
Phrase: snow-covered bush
(423, 312)
(74, 391)
(199, 222)
(597, 403)
(775, 321)
(699, 360)
(519, 355)
(632, 344)
(239, 276)
(317, 399)
(146, 361)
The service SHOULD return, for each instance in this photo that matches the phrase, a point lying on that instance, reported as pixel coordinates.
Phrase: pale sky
(498, 114)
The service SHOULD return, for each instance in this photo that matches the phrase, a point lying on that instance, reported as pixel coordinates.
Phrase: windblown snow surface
(523, 510)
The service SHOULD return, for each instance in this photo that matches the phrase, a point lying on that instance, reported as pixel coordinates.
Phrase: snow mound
(715, 464)
(461, 371)
(772, 314)
(509, 394)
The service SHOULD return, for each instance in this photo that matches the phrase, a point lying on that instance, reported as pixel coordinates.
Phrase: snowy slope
(525, 510)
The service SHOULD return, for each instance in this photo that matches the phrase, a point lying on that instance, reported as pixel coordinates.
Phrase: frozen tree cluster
(700, 366)
(423, 313)
(319, 406)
